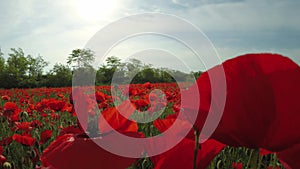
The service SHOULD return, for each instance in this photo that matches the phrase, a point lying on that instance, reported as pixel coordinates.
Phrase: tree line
(22, 70)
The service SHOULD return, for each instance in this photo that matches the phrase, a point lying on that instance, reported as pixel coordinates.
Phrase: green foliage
(134, 71)
(230, 155)
(60, 76)
(16, 67)
(25, 71)
(81, 58)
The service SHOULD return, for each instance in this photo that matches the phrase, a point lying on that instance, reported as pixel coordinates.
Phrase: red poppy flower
(237, 165)
(67, 108)
(15, 116)
(182, 155)
(289, 158)
(84, 106)
(45, 136)
(71, 130)
(25, 126)
(6, 141)
(69, 151)
(273, 167)
(25, 139)
(10, 106)
(116, 120)
(163, 124)
(260, 109)
(2, 159)
(141, 104)
(133, 92)
(100, 97)
(263, 152)
(185, 149)
(36, 123)
(5, 97)
(61, 95)
(147, 85)
(56, 105)
(78, 151)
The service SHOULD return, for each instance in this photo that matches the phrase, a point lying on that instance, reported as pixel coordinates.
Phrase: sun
(94, 10)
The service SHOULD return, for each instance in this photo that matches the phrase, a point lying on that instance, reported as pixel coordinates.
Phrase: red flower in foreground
(261, 109)
(182, 155)
(79, 151)
(290, 157)
(71, 152)
(25, 140)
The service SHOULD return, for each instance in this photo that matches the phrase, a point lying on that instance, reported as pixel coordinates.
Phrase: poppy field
(43, 127)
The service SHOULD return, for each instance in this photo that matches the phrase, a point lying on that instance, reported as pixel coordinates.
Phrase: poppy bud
(7, 165)
(23, 115)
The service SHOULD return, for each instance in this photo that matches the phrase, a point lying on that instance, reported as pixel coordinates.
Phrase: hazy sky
(54, 28)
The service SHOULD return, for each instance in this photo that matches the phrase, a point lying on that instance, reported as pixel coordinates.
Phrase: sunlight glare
(94, 10)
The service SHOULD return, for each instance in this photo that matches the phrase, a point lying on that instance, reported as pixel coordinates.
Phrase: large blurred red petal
(182, 155)
(290, 157)
(257, 100)
(70, 152)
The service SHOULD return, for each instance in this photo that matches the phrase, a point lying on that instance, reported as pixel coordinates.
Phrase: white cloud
(227, 53)
(247, 16)
(49, 28)
(196, 3)
(55, 28)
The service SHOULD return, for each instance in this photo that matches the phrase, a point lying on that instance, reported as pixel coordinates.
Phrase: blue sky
(54, 28)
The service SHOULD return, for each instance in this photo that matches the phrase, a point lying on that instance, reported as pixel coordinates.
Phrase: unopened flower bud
(7, 165)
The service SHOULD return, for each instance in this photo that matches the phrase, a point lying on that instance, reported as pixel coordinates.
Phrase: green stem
(260, 161)
(253, 160)
(196, 147)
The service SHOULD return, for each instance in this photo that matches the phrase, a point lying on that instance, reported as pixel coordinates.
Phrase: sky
(53, 28)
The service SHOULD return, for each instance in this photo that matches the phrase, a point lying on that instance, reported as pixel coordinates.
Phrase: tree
(113, 68)
(35, 71)
(2, 62)
(113, 62)
(81, 58)
(2, 70)
(60, 76)
(36, 66)
(133, 67)
(81, 61)
(16, 67)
